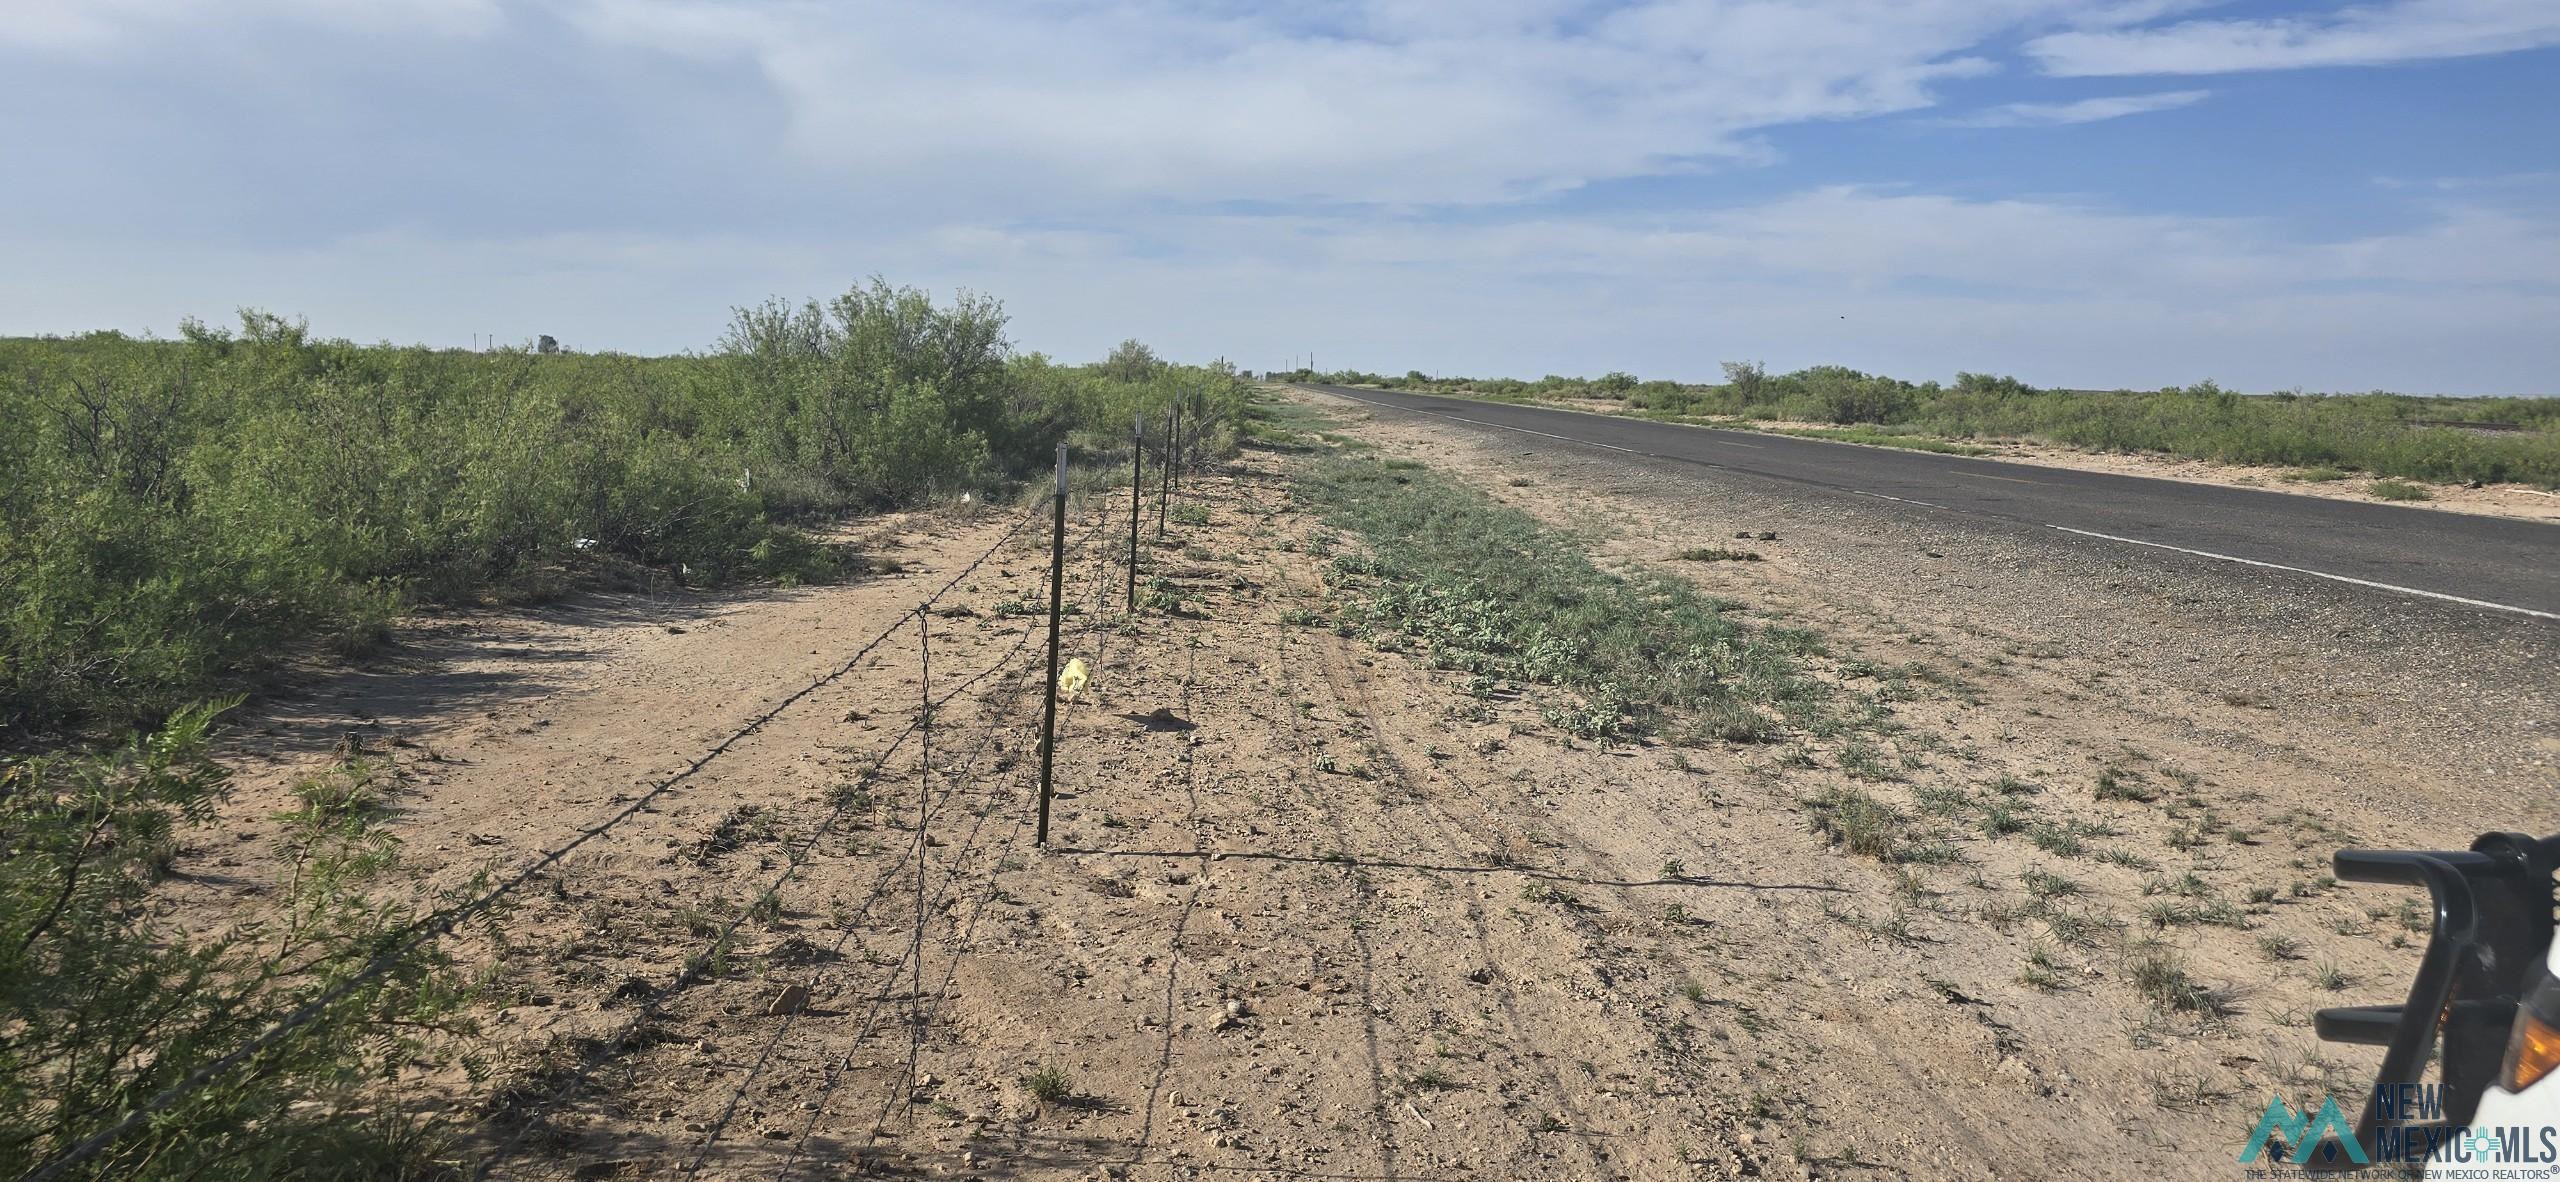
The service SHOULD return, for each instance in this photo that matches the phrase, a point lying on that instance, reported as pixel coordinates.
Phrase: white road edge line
(1900, 500)
(1540, 434)
(2317, 574)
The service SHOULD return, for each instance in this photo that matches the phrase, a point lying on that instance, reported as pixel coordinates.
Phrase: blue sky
(2080, 192)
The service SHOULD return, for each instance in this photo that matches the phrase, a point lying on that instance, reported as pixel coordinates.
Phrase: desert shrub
(106, 1006)
(174, 514)
(179, 511)
(1844, 396)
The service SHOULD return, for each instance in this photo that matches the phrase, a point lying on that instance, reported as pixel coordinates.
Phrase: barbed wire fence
(911, 964)
(487, 901)
(1093, 637)
(845, 931)
(913, 855)
(444, 920)
(1178, 466)
(696, 964)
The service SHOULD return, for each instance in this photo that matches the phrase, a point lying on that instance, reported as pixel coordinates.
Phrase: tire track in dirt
(1190, 903)
(1015, 688)
(1350, 690)
(1336, 677)
(1803, 947)
(912, 963)
(643, 1017)
(1591, 865)
(1364, 903)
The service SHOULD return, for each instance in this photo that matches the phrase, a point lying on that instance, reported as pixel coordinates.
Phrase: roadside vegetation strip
(1486, 590)
(2382, 434)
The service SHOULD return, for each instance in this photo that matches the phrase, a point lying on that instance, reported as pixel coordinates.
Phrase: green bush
(176, 513)
(106, 1007)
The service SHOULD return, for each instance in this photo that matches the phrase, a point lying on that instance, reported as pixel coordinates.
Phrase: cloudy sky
(2080, 192)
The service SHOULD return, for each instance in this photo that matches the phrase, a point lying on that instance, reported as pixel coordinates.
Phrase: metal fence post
(1137, 494)
(1057, 589)
(1164, 490)
(1190, 404)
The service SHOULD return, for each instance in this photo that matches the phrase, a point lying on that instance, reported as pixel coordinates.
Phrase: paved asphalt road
(2488, 563)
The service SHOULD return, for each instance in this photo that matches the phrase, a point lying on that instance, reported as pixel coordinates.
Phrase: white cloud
(1082, 159)
(1851, 239)
(2377, 34)
(102, 25)
(2089, 110)
(1916, 284)
(1393, 101)
(1380, 101)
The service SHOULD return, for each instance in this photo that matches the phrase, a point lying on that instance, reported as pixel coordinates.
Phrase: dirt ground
(1310, 910)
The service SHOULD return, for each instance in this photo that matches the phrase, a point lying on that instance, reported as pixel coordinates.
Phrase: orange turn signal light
(2532, 1052)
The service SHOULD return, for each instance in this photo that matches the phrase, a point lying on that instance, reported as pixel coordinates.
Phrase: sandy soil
(2521, 501)
(1310, 910)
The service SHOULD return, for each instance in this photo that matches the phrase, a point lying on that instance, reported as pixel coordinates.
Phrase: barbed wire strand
(873, 1017)
(870, 1022)
(901, 1095)
(690, 969)
(445, 920)
(837, 1071)
(844, 934)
